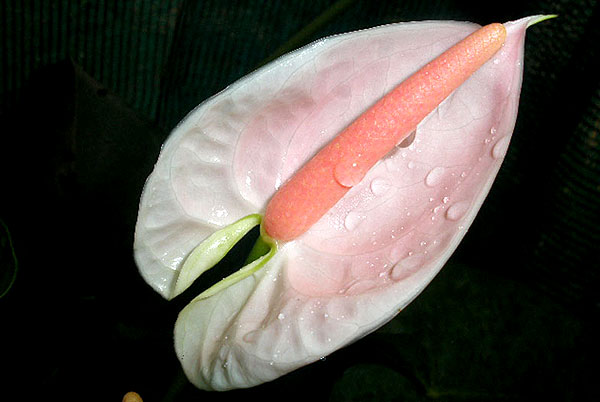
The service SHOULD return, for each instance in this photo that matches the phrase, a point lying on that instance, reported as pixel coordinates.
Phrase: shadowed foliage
(89, 91)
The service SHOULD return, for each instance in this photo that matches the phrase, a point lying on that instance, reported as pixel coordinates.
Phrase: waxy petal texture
(369, 256)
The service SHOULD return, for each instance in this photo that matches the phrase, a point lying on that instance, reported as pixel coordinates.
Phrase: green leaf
(373, 382)
(8, 260)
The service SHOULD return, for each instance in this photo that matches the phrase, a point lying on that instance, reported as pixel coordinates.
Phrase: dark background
(90, 89)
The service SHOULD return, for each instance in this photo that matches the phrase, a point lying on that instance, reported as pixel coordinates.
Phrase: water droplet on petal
(219, 211)
(500, 147)
(408, 140)
(281, 316)
(352, 220)
(407, 267)
(380, 186)
(390, 163)
(397, 272)
(411, 165)
(412, 261)
(434, 176)
(456, 211)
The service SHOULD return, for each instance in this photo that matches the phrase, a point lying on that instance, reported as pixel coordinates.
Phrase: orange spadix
(342, 163)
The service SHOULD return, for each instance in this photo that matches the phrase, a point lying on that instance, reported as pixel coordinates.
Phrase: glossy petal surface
(375, 250)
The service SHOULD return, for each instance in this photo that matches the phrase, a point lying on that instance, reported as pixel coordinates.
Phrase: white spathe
(369, 256)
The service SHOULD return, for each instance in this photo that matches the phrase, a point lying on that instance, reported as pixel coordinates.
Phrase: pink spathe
(343, 163)
(373, 251)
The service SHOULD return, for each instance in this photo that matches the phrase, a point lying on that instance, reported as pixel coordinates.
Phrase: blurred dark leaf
(373, 383)
(8, 260)
(88, 91)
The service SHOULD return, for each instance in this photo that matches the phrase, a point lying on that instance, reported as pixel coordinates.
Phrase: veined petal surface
(370, 255)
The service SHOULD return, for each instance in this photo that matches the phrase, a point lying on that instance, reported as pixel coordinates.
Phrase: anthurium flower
(379, 243)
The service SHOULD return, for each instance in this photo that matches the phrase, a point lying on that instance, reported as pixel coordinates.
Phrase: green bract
(212, 250)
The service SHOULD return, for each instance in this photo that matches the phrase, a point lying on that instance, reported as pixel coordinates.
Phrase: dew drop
(434, 177)
(352, 220)
(219, 211)
(379, 186)
(412, 261)
(406, 267)
(390, 163)
(408, 140)
(348, 175)
(281, 316)
(456, 211)
(411, 165)
(500, 148)
(397, 272)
